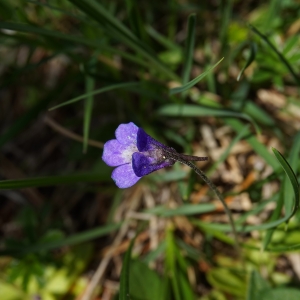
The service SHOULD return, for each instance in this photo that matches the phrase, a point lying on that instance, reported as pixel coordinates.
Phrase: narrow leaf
(192, 82)
(293, 179)
(256, 285)
(252, 54)
(115, 28)
(183, 210)
(190, 110)
(124, 279)
(102, 90)
(68, 241)
(88, 107)
(275, 215)
(286, 191)
(279, 55)
(53, 180)
(189, 49)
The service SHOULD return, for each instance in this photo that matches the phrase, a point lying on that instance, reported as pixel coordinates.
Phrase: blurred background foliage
(72, 71)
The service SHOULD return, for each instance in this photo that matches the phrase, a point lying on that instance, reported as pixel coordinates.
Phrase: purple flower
(135, 154)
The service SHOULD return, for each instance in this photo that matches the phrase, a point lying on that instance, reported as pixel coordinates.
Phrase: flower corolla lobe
(135, 154)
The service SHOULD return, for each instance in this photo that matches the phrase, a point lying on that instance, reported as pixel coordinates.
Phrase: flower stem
(220, 197)
(180, 158)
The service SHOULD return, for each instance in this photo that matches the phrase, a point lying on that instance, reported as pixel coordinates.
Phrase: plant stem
(171, 154)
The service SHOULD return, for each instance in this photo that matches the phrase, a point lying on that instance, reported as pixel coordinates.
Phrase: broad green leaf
(124, 293)
(139, 285)
(256, 286)
(280, 293)
(192, 82)
(11, 292)
(227, 281)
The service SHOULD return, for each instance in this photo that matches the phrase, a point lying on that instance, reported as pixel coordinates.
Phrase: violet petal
(116, 154)
(126, 134)
(145, 142)
(124, 176)
(143, 163)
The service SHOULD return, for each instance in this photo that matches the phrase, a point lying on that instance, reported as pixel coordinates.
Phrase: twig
(54, 125)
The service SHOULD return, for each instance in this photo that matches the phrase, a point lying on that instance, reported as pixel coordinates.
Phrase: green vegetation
(208, 78)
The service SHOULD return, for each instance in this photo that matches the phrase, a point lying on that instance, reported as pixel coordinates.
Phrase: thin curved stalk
(171, 154)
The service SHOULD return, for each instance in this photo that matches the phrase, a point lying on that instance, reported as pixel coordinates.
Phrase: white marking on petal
(127, 153)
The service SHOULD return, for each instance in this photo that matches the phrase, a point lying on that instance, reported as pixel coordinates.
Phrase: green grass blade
(98, 12)
(225, 16)
(190, 110)
(258, 114)
(275, 215)
(244, 228)
(286, 190)
(21, 27)
(117, 30)
(168, 44)
(183, 210)
(53, 180)
(124, 279)
(102, 90)
(280, 56)
(293, 179)
(255, 144)
(192, 82)
(88, 108)
(134, 18)
(189, 49)
(170, 264)
(68, 241)
(256, 285)
(251, 58)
